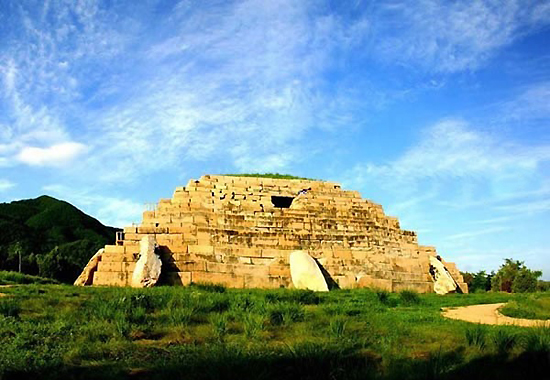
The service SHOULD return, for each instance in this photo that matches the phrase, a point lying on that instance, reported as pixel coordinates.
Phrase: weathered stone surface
(236, 231)
(87, 275)
(148, 266)
(305, 272)
(443, 281)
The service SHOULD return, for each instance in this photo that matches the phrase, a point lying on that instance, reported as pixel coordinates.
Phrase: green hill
(53, 238)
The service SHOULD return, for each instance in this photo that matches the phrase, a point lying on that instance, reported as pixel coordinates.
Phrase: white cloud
(55, 155)
(6, 184)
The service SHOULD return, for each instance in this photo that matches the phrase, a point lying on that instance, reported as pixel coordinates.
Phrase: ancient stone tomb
(241, 232)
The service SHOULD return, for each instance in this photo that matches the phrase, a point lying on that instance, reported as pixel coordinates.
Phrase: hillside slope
(54, 238)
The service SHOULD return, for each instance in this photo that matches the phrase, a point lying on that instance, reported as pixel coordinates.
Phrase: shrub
(409, 297)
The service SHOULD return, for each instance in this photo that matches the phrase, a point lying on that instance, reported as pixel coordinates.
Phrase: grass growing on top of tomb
(531, 306)
(201, 332)
(269, 175)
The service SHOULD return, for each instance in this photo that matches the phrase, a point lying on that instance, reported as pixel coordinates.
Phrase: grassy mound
(529, 306)
(13, 278)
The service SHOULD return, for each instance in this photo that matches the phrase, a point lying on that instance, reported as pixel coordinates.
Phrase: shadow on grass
(306, 361)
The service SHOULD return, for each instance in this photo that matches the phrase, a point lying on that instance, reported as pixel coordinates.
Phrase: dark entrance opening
(281, 202)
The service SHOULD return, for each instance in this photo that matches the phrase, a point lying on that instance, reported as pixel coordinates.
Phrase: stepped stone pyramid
(240, 231)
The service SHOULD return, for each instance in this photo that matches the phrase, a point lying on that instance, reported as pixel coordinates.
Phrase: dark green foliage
(525, 281)
(478, 282)
(514, 276)
(543, 286)
(52, 237)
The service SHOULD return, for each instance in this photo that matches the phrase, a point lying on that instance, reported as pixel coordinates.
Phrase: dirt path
(489, 314)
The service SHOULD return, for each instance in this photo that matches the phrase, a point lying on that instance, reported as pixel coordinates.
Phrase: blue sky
(438, 110)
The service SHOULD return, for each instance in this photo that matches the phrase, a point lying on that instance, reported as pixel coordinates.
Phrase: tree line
(512, 277)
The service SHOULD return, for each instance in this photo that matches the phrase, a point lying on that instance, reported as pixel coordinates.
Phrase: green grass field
(208, 332)
(530, 306)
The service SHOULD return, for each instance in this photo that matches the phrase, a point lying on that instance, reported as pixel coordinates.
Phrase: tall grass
(504, 340)
(9, 307)
(338, 327)
(219, 326)
(203, 333)
(537, 339)
(476, 336)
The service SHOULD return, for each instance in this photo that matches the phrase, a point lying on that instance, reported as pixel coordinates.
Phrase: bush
(514, 276)
(386, 298)
(409, 297)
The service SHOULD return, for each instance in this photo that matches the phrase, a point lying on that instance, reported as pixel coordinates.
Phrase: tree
(514, 276)
(526, 281)
(480, 281)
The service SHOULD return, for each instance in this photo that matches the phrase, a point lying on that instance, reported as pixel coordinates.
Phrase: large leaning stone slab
(148, 266)
(87, 275)
(443, 282)
(305, 272)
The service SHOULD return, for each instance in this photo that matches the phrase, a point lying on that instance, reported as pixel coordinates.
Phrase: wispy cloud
(452, 37)
(454, 150)
(6, 184)
(468, 235)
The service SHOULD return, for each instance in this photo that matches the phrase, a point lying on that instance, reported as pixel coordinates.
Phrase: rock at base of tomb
(87, 275)
(305, 272)
(443, 281)
(148, 266)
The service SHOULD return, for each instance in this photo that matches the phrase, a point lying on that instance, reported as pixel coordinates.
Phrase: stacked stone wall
(224, 229)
